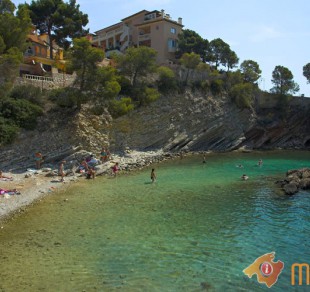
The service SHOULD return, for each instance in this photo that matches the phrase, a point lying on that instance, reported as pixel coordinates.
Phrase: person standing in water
(153, 175)
(61, 171)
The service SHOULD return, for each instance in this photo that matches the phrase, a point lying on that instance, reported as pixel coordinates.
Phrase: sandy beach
(32, 185)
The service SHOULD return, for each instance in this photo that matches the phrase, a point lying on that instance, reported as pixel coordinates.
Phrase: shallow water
(195, 229)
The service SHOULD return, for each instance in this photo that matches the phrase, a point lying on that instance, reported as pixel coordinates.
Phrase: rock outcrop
(61, 134)
(296, 179)
(195, 121)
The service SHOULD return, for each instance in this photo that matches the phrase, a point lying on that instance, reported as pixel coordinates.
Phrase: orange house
(37, 60)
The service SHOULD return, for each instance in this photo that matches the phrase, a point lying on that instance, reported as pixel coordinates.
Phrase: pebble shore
(35, 184)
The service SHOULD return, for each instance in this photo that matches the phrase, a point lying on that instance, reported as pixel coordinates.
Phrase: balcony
(144, 37)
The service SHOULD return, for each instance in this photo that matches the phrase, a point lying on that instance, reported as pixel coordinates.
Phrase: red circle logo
(266, 269)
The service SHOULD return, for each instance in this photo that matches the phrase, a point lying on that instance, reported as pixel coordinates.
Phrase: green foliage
(233, 78)
(166, 79)
(6, 6)
(20, 111)
(192, 42)
(242, 95)
(60, 20)
(120, 107)
(13, 34)
(8, 131)
(149, 95)
(137, 63)
(14, 28)
(126, 87)
(230, 59)
(282, 78)
(250, 70)
(28, 92)
(83, 60)
(144, 95)
(190, 61)
(306, 71)
(9, 67)
(201, 85)
(220, 53)
(107, 84)
(2, 45)
(216, 86)
(67, 97)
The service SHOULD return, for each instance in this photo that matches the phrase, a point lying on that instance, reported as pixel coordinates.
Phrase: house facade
(37, 59)
(154, 29)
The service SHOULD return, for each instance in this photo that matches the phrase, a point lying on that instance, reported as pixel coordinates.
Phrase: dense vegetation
(133, 80)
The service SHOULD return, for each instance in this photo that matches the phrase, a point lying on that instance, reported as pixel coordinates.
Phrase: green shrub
(216, 86)
(145, 95)
(8, 131)
(242, 95)
(28, 92)
(120, 107)
(126, 87)
(166, 79)
(21, 112)
(66, 97)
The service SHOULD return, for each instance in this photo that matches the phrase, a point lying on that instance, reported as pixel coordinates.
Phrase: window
(172, 43)
(173, 30)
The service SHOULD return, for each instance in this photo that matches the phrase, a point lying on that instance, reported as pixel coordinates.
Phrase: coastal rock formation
(60, 134)
(191, 121)
(196, 121)
(296, 179)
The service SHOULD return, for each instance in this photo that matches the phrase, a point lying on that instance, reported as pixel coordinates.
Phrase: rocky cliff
(189, 121)
(198, 122)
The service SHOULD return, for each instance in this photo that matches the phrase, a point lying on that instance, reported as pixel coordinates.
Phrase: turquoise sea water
(195, 229)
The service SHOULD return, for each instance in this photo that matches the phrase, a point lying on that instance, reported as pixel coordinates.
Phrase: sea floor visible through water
(195, 229)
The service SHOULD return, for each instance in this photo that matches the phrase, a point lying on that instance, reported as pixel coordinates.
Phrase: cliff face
(196, 122)
(191, 121)
(60, 134)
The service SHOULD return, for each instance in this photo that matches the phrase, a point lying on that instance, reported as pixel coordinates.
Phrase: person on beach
(204, 159)
(84, 165)
(103, 155)
(61, 171)
(90, 173)
(5, 177)
(153, 175)
(38, 157)
(9, 192)
(115, 169)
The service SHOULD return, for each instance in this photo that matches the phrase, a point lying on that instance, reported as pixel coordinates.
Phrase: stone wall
(57, 81)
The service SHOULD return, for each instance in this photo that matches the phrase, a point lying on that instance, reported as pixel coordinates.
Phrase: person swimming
(244, 177)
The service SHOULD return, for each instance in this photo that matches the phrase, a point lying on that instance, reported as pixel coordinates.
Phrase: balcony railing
(144, 37)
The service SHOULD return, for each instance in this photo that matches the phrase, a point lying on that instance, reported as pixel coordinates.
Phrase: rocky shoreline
(295, 180)
(35, 184)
